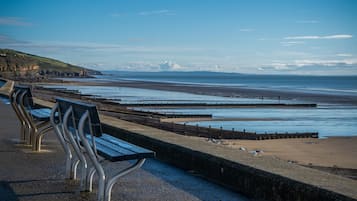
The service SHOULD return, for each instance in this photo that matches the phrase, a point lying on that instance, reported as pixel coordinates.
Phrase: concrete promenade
(29, 176)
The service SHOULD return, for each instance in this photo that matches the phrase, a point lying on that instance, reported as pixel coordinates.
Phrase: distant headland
(19, 65)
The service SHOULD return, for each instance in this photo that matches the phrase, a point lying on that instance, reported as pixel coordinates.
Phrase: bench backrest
(79, 108)
(28, 101)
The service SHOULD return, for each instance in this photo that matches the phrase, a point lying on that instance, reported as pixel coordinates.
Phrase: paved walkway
(29, 176)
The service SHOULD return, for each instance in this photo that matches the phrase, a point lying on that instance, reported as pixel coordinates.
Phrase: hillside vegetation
(15, 64)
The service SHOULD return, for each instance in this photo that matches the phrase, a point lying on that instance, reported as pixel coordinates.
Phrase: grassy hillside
(15, 63)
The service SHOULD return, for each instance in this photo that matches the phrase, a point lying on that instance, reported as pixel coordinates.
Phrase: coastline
(225, 91)
(338, 152)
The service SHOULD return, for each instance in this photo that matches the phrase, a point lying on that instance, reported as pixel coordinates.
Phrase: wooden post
(209, 132)
(220, 133)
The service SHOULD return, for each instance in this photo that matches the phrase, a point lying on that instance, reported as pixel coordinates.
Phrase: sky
(317, 37)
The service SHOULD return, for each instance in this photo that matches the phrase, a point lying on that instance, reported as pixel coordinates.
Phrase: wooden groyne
(214, 133)
(216, 105)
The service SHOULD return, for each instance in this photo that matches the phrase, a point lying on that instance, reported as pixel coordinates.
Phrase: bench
(35, 120)
(6, 89)
(81, 128)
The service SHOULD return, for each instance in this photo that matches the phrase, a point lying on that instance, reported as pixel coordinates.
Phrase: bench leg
(84, 168)
(38, 138)
(113, 180)
(73, 170)
(83, 164)
(67, 150)
(19, 115)
(74, 166)
(23, 132)
(89, 179)
(36, 131)
(28, 137)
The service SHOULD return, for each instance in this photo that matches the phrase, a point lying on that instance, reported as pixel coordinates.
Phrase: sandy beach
(338, 152)
(330, 152)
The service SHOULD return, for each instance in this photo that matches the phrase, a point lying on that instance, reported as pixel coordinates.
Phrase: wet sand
(229, 91)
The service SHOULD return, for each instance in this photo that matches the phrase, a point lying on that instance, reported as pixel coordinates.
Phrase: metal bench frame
(34, 121)
(79, 129)
(15, 105)
(57, 123)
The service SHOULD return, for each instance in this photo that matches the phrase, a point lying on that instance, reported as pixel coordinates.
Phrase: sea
(326, 119)
(316, 84)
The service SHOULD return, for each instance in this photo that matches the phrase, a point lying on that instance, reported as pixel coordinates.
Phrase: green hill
(14, 64)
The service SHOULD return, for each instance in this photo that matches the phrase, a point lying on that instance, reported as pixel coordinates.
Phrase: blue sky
(264, 37)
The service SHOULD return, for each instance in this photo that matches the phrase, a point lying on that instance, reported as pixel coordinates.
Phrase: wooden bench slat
(126, 144)
(119, 149)
(120, 153)
(41, 114)
(115, 152)
(109, 154)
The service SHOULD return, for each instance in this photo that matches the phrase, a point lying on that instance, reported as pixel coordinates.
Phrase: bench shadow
(7, 192)
(190, 182)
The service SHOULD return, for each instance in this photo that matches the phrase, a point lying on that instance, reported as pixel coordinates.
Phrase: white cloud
(157, 12)
(307, 62)
(291, 43)
(344, 55)
(340, 36)
(13, 21)
(149, 66)
(312, 67)
(169, 66)
(279, 65)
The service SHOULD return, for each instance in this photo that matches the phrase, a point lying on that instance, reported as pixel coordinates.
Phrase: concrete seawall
(255, 182)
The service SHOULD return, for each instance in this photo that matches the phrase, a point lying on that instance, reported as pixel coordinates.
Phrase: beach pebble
(214, 141)
(256, 152)
(259, 151)
(242, 149)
